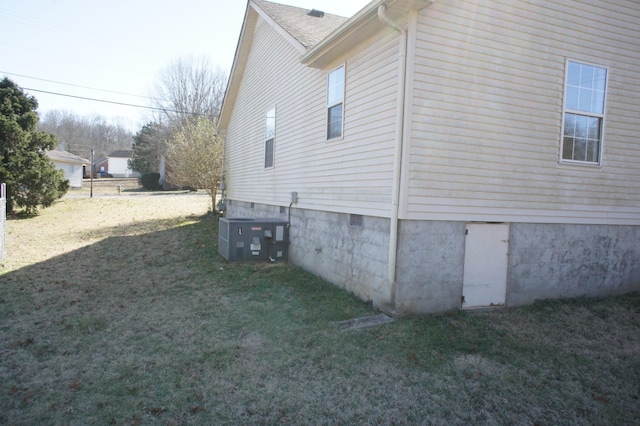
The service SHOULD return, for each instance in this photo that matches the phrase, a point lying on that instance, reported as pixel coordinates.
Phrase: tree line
(79, 135)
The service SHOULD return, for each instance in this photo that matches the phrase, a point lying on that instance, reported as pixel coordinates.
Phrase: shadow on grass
(128, 329)
(138, 228)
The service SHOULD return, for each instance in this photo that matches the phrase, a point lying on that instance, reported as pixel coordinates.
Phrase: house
(101, 167)
(117, 165)
(72, 166)
(444, 154)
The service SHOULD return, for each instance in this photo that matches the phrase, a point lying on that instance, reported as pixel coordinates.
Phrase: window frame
(331, 103)
(271, 114)
(582, 113)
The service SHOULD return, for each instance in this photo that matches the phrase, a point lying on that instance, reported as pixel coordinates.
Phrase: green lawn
(119, 310)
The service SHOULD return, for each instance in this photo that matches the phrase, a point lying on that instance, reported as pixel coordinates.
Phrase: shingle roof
(67, 157)
(307, 30)
(120, 154)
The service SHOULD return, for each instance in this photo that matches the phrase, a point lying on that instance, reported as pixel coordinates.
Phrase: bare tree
(189, 92)
(79, 135)
(194, 156)
(70, 130)
(189, 86)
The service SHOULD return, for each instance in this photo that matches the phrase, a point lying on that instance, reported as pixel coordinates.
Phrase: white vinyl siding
(353, 176)
(488, 112)
(119, 167)
(72, 172)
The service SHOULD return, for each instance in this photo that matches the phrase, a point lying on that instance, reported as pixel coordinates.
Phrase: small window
(269, 138)
(584, 101)
(335, 103)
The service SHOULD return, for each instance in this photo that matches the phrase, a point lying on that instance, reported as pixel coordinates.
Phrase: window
(269, 138)
(335, 102)
(584, 99)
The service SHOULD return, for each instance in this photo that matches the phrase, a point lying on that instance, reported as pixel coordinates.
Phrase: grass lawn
(118, 310)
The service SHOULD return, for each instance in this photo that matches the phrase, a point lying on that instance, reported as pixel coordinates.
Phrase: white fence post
(3, 221)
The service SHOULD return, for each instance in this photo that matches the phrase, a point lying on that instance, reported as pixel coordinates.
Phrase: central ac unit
(242, 239)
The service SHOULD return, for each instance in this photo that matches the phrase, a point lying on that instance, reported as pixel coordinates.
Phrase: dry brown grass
(118, 310)
(78, 220)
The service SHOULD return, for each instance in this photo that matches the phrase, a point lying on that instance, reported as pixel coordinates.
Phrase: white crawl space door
(485, 265)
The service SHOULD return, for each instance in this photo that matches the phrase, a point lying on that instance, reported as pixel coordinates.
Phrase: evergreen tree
(32, 179)
(148, 148)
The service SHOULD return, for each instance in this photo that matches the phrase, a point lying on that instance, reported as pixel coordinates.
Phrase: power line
(114, 102)
(77, 85)
(62, 28)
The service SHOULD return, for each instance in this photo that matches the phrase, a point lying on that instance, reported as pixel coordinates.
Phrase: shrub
(150, 181)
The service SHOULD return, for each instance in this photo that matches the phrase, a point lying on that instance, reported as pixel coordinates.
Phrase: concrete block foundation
(545, 260)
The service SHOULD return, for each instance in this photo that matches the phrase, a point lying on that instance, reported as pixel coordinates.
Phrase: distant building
(72, 166)
(117, 165)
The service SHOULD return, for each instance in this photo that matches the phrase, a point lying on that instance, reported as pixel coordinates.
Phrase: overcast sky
(118, 46)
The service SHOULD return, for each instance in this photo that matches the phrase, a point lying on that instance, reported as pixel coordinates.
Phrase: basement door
(485, 265)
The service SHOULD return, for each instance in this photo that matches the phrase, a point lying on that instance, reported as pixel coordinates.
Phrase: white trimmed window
(269, 138)
(335, 103)
(584, 100)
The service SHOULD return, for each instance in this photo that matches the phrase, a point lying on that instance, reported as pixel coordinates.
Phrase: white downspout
(397, 159)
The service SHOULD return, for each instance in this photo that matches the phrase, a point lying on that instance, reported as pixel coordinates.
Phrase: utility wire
(77, 85)
(56, 26)
(116, 103)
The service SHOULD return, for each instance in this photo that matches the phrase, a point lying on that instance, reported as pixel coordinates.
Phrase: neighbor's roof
(120, 154)
(300, 23)
(66, 157)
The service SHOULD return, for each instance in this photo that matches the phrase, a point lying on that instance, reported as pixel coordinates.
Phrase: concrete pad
(364, 322)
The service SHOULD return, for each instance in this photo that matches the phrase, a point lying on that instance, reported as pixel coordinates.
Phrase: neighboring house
(447, 154)
(72, 166)
(101, 167)
(118, 165)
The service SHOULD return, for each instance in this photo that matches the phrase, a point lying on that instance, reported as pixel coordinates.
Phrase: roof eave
(66, 157)
(361, 26)
(240, 58)
(292, 40)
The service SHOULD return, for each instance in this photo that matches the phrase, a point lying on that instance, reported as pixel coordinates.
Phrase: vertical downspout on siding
(397, 158)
